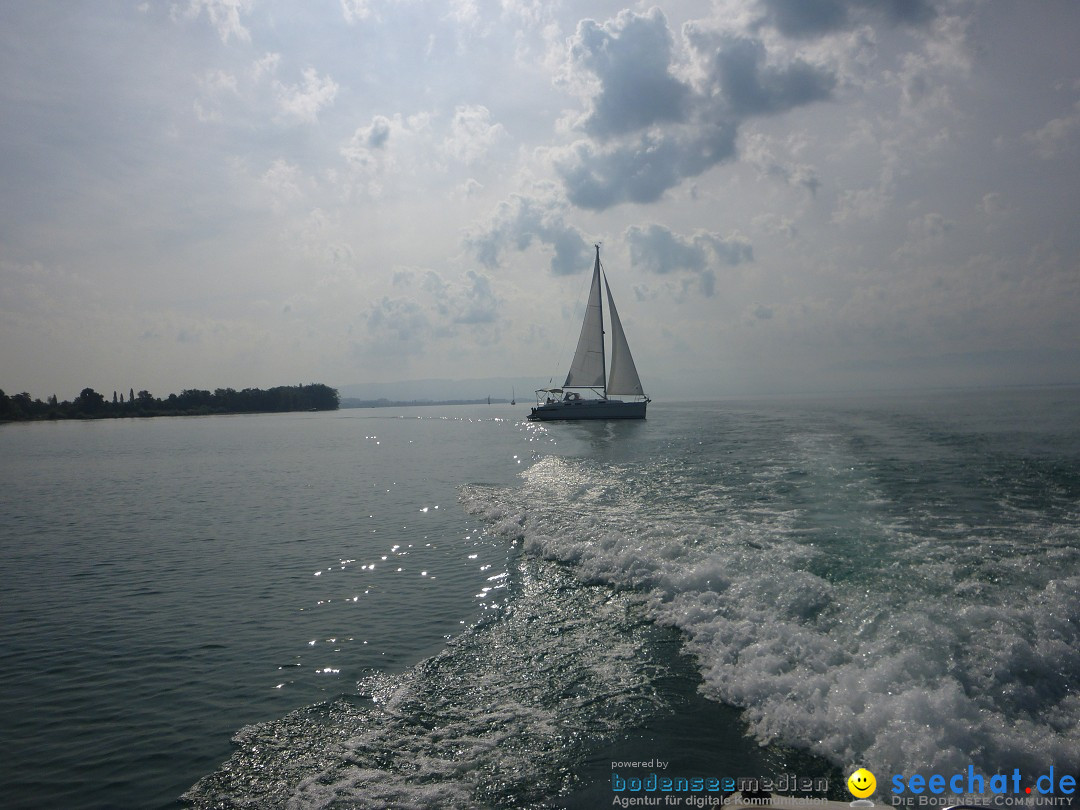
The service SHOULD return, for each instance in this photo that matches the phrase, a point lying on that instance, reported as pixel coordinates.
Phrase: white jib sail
(624, 377)
(587, 369)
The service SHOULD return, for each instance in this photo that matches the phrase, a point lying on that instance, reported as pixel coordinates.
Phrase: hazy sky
(791, 194)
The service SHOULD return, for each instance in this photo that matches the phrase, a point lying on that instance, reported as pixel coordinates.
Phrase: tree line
(90, 404)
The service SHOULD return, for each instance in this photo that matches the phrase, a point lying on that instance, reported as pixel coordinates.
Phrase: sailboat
(588, 370)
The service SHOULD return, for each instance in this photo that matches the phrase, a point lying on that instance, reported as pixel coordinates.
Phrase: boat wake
(914, 662)
(501, 718)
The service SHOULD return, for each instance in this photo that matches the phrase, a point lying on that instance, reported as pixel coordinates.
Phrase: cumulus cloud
(658, 250)
(216, 87)
(642, 169)
(520, 221)
(741, 80)
(366, 153)
(1053, 137)
(399, 326)
(993, 206)
(426, 305)
(630, 57)
(926, 233)
(759, 154)
(776, 225)
(304, 101)
(376, 135)
(387, 150)
(356, 10)
(224, 15)
(474, 302)
(267, 65)
(283, 180)
(471, 133)
(649, 130)
(815, 18)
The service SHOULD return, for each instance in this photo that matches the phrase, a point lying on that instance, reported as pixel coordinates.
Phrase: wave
(877, 646)
(501, 718)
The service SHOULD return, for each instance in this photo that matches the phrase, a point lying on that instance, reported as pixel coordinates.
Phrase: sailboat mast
(603, 357)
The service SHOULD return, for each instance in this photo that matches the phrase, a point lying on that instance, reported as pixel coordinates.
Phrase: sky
(790, 195)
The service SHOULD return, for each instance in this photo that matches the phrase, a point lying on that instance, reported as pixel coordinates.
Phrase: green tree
(89, 401)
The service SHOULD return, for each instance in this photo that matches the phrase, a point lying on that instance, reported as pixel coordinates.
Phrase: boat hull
(574, 410)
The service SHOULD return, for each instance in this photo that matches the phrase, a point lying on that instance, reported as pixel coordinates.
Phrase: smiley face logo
(861, 783)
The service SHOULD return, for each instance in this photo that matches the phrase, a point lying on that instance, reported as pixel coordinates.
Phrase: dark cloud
(641, 170)
(521, 220)
(806, 18)
(470, 301)
(398, 322)
(658, 250)
(378, 133)
(740, 77)
(907, 12)
(650, 131)
(631, 56)
(476, 303)
(802, 19)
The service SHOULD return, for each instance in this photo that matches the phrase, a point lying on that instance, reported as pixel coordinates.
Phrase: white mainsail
(587, 369)
(624, 377)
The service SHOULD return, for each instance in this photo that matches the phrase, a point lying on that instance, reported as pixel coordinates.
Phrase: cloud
(642, 169)
(814, 18)
(520, 221)
(474, 302)
(217, 86)
(776, 225)
(631, 57)
(740, 79)
(1051, 140)
(925, 234)
(993, 206)
(424, 307)
(356, 10)
(367, 154)
(650, 130)
(805, 18)
(471, 133)
(659, 250)
(265, 66)
(758, 153)
(304, 101)
(398, 326)
(283, 180)
(376, 135)
(224, 15)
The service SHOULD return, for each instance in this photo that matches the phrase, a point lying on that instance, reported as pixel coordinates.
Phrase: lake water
(451, 607)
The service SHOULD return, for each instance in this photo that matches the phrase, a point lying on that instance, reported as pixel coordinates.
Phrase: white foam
(502, 717)
(943, 654)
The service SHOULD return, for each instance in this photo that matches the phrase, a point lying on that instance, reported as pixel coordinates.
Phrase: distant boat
(588, 370)
(513, 396)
